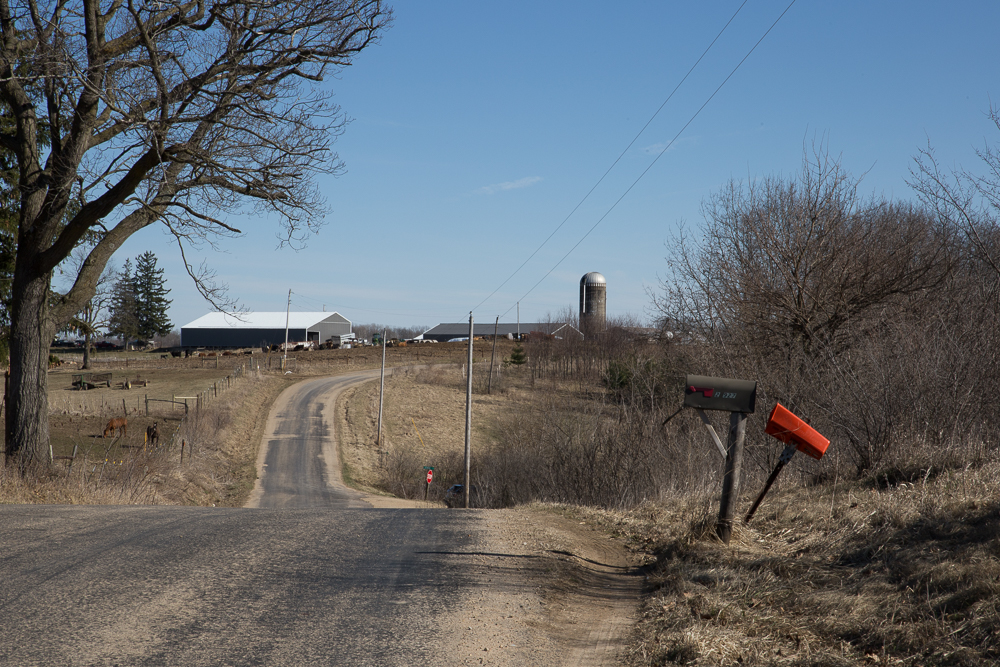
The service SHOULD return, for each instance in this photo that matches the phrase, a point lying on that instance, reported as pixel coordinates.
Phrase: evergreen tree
(517, 356)
(151, 298)
(124, 320)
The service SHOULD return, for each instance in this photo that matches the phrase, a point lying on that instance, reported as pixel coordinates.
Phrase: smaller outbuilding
(263, 329)
(451, 330)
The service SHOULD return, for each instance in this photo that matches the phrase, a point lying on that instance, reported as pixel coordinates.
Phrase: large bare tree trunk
(237, 118)
(27, 425)
(86, 352)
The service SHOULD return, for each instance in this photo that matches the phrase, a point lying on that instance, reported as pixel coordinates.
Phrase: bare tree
(826, 298)
(174, 111)
(969, 201)
(94, 314)
(786, 264)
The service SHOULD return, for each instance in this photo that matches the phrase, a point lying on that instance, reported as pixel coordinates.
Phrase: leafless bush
(867, 317)
(588, 452)
(784, 265)
(404, 476)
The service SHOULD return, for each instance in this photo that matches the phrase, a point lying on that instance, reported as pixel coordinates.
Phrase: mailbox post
(739, 398)
(731, 477)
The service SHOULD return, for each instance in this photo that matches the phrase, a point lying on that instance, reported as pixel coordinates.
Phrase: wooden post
(731, 478)
(147, 404)
(493, 357)
(468, 420)
(381, 395)
(182, 450)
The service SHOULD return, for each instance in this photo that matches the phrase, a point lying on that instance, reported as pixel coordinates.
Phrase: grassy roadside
(898, 570)
(220, 440)
(423, 425)
(834, 575)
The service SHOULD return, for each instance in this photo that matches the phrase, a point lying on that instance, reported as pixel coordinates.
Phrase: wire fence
(194, 406)
(222, 360)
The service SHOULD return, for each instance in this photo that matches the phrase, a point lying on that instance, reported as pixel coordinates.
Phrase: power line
(659, 155)
(617, 160)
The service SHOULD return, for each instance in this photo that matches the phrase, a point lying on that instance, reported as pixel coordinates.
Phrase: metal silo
(593, 303)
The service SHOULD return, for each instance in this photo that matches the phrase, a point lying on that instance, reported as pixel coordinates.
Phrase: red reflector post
(789, 429)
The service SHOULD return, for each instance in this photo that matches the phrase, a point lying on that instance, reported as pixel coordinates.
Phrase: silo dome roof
(593, 278)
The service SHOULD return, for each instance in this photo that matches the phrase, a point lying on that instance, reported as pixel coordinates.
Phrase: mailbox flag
(789, 429)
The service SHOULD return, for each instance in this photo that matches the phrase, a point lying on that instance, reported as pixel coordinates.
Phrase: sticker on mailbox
(712, 393)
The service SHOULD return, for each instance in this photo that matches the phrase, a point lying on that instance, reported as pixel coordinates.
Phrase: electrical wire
(659, 155)
(617, 160)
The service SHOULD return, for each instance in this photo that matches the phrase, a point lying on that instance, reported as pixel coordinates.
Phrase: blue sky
(477, 127)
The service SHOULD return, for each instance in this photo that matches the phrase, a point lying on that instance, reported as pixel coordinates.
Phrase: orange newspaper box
(791, 430)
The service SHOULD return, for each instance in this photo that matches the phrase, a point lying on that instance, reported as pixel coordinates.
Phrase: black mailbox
(708, 393)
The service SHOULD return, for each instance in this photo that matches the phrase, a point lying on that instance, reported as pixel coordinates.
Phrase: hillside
(896, 568)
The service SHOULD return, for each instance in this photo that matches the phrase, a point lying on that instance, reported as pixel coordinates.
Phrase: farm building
(445, 332)
(258, 329)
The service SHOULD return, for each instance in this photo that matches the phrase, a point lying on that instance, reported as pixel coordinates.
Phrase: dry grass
(836, 574)
(902, 569)
(220, 445)
(219, 465)
(423, 425)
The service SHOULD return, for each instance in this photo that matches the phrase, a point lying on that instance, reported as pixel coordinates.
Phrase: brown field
(222, 436)
(423, 425)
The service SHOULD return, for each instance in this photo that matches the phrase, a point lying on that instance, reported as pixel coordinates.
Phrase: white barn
(259, 329)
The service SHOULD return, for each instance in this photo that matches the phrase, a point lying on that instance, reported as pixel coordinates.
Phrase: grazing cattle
(118, 424)
(153, 434)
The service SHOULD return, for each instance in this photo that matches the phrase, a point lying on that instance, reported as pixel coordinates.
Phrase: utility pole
(493, 357)
(285, 349)
(381, 394)
(468, 420)
(519, 320)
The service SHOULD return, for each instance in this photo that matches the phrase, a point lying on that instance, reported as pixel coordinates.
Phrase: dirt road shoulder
(549, 590)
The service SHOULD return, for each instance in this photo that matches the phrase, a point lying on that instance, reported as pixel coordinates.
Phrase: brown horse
(153, 434)
(119, 424)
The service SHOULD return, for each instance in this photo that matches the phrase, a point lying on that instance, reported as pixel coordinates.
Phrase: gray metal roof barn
(257, 329)
(446, 331)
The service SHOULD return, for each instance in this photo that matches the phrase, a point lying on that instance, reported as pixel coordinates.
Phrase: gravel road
(321, 580)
